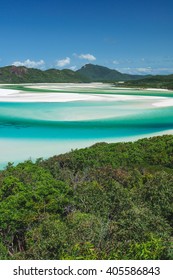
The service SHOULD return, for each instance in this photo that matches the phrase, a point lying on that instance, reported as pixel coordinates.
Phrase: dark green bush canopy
(109, 201)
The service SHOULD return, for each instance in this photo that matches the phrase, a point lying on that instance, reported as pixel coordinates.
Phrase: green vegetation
(21, 74)
(165, 81)
(88, 73)
(97, 73)
(109, 201)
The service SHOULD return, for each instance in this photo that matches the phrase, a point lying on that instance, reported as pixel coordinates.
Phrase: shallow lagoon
(35, 123)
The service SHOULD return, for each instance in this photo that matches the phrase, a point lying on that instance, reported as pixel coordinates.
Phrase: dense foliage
(109, 201)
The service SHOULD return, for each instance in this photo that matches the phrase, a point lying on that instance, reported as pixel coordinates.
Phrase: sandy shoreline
(156, 89)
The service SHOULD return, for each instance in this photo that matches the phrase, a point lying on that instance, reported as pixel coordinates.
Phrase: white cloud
(87, 56)
(73, 67)
(116, 62)
(29, 63)
(134, 71)
(123, 61)
(63, 62)
(146, 70)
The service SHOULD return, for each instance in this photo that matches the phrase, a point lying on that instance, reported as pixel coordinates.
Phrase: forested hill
(88, 73)
(109, 201)
(97, 73)
(21, 74)
(158, 81)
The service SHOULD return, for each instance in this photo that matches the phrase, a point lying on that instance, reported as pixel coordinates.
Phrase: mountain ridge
(99, 73)
(22, 74)
(88, 73)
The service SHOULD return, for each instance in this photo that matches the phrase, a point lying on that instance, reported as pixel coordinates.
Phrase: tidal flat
(41, 120)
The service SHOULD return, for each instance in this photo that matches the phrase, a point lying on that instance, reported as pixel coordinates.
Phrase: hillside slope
(21, 74)
(158, 81)
(88, 73)
(98, 73)
(109, 201)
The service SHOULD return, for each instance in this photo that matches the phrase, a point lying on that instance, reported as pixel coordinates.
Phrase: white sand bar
(9, 95)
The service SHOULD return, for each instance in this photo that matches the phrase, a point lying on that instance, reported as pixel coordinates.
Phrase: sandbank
(156, 89)
(12, 95)
(168, 102)
(9, 95)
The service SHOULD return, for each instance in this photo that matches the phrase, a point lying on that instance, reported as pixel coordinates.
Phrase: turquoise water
(45, 120)
(45, 128)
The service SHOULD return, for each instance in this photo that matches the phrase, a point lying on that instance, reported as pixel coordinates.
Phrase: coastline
(10, 147)
(18, 153)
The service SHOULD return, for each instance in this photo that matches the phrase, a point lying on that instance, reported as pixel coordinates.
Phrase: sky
(131, 36)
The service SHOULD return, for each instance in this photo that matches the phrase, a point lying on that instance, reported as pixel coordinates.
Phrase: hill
(98, 73)
(158, 81)
(108, 201)
(21, 74)
(88, 73)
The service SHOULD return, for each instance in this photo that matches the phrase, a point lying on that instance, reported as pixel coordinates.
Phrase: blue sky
(131, 36)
